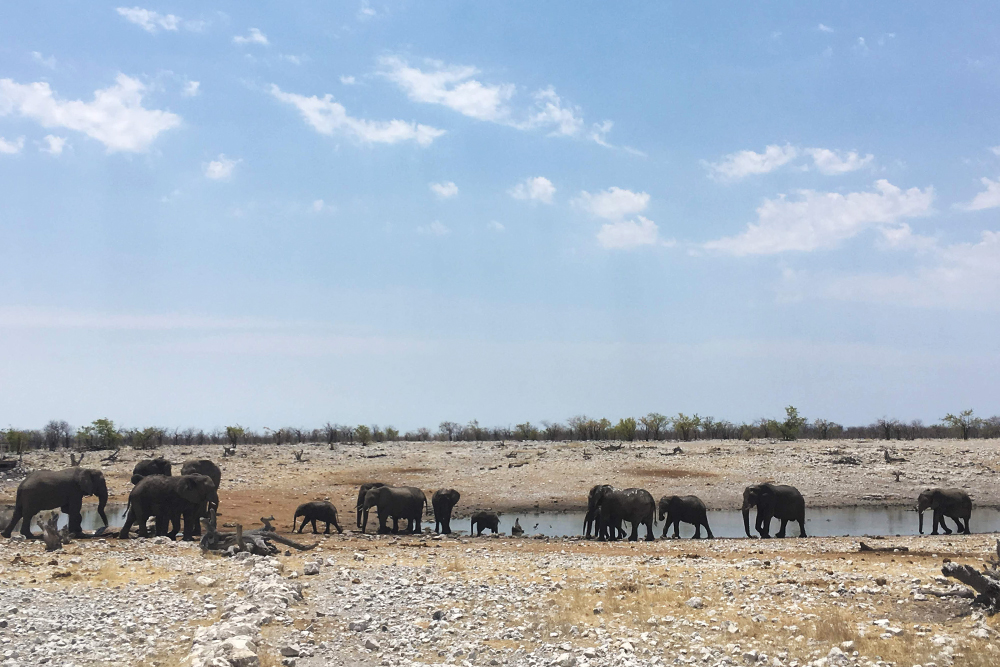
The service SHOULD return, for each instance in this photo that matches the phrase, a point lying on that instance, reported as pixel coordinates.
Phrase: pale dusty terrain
(422, 600)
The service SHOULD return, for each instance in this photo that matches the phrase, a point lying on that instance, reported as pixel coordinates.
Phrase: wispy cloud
(988, 198)
(433, 229)
(53, 145)
(153, 22)
(255, 36)
(221, 168)
(822, 220)
(329, 117)
(613, 203)
(191, 89)
(832, 163)
(627, 234)
(741, 164)
(115, 117)
(347, 80)
(538, 188)
(445, 190)
(11, 147)
(49, 62)
(824, 28)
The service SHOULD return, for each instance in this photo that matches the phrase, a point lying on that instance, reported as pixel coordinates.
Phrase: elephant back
(205, 467)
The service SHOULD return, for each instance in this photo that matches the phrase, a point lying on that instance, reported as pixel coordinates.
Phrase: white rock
(980, 633)
(564, 660)
(695, 603)
(204, 581)
(372, 645)
(310, 568)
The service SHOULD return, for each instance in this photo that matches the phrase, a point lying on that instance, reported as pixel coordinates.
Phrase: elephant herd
(191, 495)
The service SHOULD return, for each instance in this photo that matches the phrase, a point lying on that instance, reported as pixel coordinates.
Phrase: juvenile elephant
(484, 520)
(593, 500)
(168, 499)
(443, 501)
(952, 503)
(209, 469)
(403, 502)
(633, 505)
(689, 509)
(147, 467)
(62, 489)
(317, 510)
(777, 501)
(362, 490)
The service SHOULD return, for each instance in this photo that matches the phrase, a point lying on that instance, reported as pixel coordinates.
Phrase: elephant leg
(677, 528)
(202, 511)
(72, 509)
(944, 524)
(764, 525)
(13, 521)
(313, 522)
(781, 531)
(697, 530)
(327, 531)
(634, 536)
(708, 530)
(649, 530)
(395, 525)
(190, 521)
(967, 531)
(129, 520)
(419, 529)
(802, 527)
(26, 524)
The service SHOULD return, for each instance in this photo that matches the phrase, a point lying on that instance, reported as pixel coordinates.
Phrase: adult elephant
(952, 503)
(147, 467)
(778, 501)
(399, 502)
(593, 502)
(209, 469)
(689, 509)
(62, 489)
(168, 499)
(633, 505)
(362, 490)
(443, 501)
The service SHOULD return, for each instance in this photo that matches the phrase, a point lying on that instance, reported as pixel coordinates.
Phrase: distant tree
(686, 427)
(57, 433)
(653, 424)
(330, 431)
(886, 428)
(233, 433)
(106, 436)
(378, 435)
(423, 434)
(789, 428)
(391, 434)
(448, 430)
(17, 440)
(525, 431)
(578, 426)
(147, 438)
(964, 422)
(625, 428)
(363, 434)
(552, 430)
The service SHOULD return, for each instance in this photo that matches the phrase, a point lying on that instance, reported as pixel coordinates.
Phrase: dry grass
(670, 473)
(631, 603)
(456, 564)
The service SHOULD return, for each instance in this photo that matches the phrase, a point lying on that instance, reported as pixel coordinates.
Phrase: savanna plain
(424, 599)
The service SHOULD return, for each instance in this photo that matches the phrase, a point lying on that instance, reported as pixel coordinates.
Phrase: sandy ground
(420, 600)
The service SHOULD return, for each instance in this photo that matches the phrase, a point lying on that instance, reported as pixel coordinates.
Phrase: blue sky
(396, 212)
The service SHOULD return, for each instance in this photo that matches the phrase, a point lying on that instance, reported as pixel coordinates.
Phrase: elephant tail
(128, 507)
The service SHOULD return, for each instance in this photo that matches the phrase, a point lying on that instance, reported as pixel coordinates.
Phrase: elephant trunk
(102, 500)
(746, 520)
(920, 514)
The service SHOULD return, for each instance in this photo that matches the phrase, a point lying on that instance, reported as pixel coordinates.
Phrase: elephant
(365, 488)
(317, 510)
(773, 500)
(168, 499)
(953, 503)
(516, 530)
(593, 516)
(443, 501)
(147, 467)
(62, 489)
(633, 505)
(689, 509)
(402, 502)
(484, 520)
(210, 470)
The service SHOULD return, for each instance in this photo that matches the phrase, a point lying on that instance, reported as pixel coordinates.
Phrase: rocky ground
(421, 600)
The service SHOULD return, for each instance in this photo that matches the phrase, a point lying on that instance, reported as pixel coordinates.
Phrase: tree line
(103, 434)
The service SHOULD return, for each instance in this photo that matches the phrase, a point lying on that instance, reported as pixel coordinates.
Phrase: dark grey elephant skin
(147, 467)
(58, 489)
(593, 500)
(689, 509)
(443, 501)
(952, 503)
(398, 502)
(778, 501)
(484, 521)
(168, 499)
(633, 505)
(317, 510)
(362, 490)
(212, 471)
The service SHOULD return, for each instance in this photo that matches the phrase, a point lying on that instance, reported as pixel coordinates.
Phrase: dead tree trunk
(50, 534)
(987, 585)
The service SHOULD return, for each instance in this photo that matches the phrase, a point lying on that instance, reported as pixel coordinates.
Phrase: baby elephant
(317, 510)
(483, 520)
(689, 509)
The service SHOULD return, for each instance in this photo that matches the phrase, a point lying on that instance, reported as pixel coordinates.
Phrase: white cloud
(54, 145)
(365, 11)
(320, 206)
(191, 89)
(613, 203)
(444, 190)
(549, 111)
(741, 164)
(116, 117)
(433, 229)
(450, 86)
(901, 237)
(832, 163)
(255, 36)
(221, 168)
(824, 28)
(626, 234)
(49, 62)
(538, 188)
(11, 147)
(148, 20)
(959, 276)
(820, 220)
(347, 80)
(329, 117)
(988, 198)
(288, 57)
(861, 46)
(995, 150)
(496, 226)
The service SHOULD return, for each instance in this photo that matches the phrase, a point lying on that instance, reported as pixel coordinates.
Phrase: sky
(402, 213)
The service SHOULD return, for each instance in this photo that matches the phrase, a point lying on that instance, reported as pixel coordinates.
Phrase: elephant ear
(87, 481)
(187, 489)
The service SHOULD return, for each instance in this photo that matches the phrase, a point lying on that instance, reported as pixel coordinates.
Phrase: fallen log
(986, 586)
